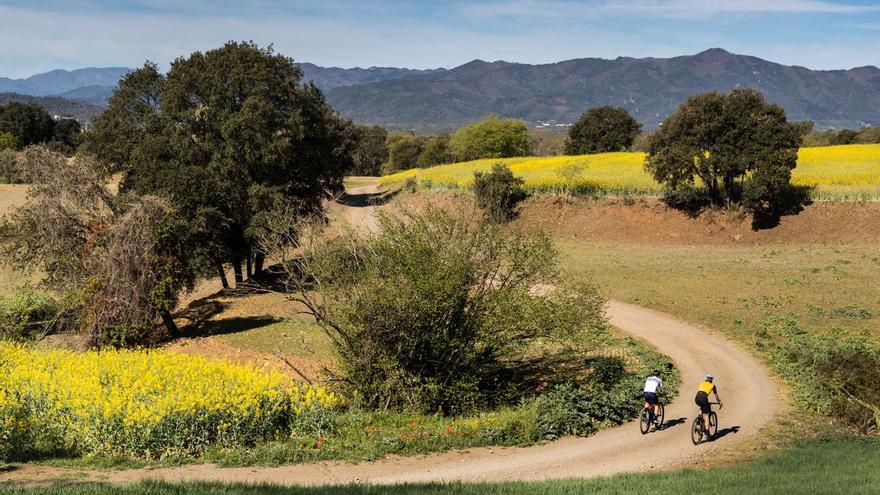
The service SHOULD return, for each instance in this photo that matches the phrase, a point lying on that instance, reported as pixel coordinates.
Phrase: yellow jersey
(707, 387)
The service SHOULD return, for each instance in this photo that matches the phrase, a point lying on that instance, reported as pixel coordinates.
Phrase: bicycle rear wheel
(697, 430)
(645, 421)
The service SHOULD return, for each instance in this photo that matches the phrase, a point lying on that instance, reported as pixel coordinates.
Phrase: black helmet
(656, 372)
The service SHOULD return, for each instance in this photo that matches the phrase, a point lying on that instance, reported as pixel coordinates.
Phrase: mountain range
(441, 100)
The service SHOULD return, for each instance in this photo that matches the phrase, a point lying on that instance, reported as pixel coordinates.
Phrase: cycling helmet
(710, 377)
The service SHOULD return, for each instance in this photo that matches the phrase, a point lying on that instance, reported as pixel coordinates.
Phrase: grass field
(738, 289)
(850, 172)
(841, 466)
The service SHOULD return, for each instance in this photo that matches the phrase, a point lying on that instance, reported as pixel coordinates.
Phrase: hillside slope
(649, 88)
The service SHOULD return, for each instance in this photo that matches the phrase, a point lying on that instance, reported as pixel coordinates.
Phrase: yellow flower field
(140, 403)
(838, 172)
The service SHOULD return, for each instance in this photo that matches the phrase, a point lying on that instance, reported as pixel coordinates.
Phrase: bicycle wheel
(713, 424)
(645, 421)
(697, 430)
(660, 417)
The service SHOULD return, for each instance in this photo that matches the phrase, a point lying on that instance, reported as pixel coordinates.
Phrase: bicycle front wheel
(713, 424)
(697, 430)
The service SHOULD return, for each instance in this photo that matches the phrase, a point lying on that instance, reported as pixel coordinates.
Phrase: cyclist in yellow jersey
(702, 399)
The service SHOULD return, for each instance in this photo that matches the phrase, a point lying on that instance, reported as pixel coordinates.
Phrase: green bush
(28, 315)
(435, 311)
(498, 192)
(834, 374)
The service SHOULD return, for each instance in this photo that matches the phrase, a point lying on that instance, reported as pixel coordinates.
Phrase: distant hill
(650, 88)
(442, 100)
(61, 81)
(96, 95)
(80, 110)
(328, 78)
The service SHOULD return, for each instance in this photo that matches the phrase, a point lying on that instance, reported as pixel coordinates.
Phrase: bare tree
(106, 253)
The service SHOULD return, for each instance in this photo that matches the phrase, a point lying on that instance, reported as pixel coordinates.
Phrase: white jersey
(652, 383)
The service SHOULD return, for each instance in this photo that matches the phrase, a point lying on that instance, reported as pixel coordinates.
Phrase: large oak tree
(736, 145)
(225, 135)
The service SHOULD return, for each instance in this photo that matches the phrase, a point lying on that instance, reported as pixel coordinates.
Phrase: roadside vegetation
(827, 466)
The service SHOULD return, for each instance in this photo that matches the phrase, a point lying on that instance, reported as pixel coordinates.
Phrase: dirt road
(749, 394)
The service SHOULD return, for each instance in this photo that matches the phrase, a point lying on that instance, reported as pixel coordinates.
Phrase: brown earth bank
(650, 221)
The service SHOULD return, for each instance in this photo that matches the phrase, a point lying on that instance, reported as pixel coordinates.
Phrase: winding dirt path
(750, 398)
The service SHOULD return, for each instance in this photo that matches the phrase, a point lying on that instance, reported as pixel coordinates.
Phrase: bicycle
(698, 431)
(648, 417)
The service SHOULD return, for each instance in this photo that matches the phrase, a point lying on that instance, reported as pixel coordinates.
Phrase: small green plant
(498, 193)
(28, 315)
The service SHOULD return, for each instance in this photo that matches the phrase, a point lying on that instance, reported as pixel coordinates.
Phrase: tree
(370, 152)
(404, 149)
(732, 143)
(223, 135)
(601, 130)
(498, 193)
(491, 137)
(845, 136)
(28, 123)
(435, 152)
(116, 259)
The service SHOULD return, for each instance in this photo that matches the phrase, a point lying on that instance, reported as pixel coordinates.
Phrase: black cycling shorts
(702, 400)
(651, 397)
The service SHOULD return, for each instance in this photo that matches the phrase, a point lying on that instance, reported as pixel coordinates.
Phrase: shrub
(435, 311)
(28, 315)
(834, 374)
(497, 193)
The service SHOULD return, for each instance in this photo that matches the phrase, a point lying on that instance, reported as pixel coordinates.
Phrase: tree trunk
(221, 272)
(168, 320)
(236, 267)
(250, 265)
(259, 258)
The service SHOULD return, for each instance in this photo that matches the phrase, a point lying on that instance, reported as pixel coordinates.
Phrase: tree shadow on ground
(525, 377)
(363, 200)
(791, 202)
(200, 323)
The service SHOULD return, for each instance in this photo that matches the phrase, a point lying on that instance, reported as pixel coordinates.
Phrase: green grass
(293, 338)
(840, 466)
(736, 288)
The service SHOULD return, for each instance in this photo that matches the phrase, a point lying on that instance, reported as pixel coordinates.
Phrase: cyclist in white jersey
(653, 386)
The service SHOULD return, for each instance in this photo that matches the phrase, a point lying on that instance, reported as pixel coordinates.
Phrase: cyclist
(653, 385)
(702, 399)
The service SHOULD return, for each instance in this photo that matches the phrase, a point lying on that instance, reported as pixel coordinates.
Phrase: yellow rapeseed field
(140, 403)
(837, 172)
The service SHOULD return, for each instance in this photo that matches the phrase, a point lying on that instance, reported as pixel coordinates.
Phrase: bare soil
(650, 221)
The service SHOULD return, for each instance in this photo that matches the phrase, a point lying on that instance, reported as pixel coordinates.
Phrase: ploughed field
(849, 172)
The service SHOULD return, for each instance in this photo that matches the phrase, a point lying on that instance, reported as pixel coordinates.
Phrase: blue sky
(37, 36)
